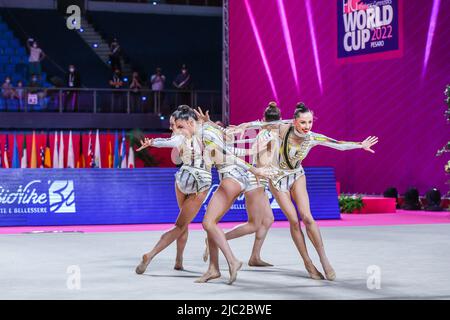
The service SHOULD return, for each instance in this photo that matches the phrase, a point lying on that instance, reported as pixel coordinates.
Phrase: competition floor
(411, 260)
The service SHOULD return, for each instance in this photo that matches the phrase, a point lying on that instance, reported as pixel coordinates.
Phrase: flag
(70, 155)
(33, 163)
(123, 152)
(0, 155)
(42, 155)
(131, 164)
(5, 154)
(24, 160)
(116, 151)
(90, 156)
(81, 163)
(47, 156)
(110, 152)
(97, 157)
(15, 159)
(55, 152)
(61, 152)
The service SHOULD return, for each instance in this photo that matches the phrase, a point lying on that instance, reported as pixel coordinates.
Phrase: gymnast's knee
(208, 224)
(294, 224)
(181, 227)
(308, 221)
(268, 221)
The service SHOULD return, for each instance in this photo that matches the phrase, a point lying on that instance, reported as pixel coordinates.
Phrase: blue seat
(2, 104)
(14, 59)
(3, 43)
(9, 51)
(3, 59)
(22, 69)
(14, 43)
(3, 26)
(40, 106)
(21, 51)
(12, 105)
(10, 68)
(7, 35)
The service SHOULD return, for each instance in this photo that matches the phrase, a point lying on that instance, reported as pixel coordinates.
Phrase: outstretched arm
(173, 142)
(320, 139)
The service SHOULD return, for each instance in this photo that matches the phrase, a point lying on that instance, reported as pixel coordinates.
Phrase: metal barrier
(101, 100)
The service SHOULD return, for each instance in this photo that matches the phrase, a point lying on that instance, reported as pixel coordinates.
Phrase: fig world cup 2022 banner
(367, 27)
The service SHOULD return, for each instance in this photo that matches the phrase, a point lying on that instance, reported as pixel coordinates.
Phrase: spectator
(183, 80)
(73, 80)
(116, 82)
(158, 80)
(135, 93)
(35, 93)
(183, 83)
(35, 58)
(19, 94)
(7, 91)
(115, 55)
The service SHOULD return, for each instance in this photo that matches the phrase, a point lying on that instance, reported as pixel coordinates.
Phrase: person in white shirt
(35, 58)
(157, 81)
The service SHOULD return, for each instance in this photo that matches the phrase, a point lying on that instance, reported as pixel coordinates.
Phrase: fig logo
(62, 196)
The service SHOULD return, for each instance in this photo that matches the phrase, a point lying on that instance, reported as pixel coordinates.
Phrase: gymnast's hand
(265, 172)
(237, 130)
(202, 117)
(370, 141)
(145, 144)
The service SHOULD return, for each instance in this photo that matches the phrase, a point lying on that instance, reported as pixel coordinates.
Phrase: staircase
(92, 37)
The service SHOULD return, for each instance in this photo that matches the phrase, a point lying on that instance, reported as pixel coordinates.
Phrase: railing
(214, 3)
(100, 100)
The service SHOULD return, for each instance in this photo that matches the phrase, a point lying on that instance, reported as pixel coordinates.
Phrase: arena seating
(62, 46)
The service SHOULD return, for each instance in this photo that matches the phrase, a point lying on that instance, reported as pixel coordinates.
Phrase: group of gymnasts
(277, 152)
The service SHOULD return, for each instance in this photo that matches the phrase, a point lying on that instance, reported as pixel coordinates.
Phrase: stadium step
(99, 45)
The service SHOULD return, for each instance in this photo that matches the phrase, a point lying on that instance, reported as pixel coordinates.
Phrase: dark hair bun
(273, 104)
(184, 108)
(300, 106)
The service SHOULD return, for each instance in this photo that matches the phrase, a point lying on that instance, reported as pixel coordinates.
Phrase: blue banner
(367, 27)
(48, 197)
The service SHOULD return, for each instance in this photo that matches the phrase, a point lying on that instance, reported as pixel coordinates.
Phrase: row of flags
(117, 158)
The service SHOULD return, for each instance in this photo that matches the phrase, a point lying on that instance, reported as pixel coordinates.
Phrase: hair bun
(273, 104)
(300, 106)
(184, 108)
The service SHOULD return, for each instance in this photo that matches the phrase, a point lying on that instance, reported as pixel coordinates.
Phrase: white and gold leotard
(294, 147)
(194, 175)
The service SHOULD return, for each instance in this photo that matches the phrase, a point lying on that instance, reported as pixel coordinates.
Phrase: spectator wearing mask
(19, 94)
(7, 91)
(35, 58)
(183, 83)
(73, 80)
(35, 93)
(117, 82)
(115, 55)
(158, 80)
(135, 93)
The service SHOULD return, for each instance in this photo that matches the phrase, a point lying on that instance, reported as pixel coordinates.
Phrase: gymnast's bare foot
(313, 272)
(330, 274)
(258, 262)
(211, 274)
(140, 269)
(235, 266)
(178, 265)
